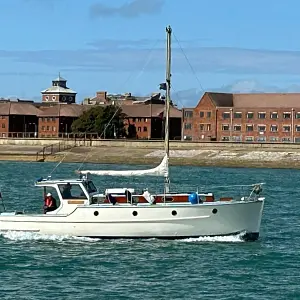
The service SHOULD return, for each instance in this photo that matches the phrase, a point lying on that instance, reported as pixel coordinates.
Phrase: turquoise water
(45, 267)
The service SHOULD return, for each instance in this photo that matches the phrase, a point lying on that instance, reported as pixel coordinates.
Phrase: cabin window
(89, 185)
(71, 191)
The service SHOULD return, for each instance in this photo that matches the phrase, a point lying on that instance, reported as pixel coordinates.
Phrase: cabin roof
(45, 182)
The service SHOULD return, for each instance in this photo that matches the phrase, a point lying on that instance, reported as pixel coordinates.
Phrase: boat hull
(155, 221)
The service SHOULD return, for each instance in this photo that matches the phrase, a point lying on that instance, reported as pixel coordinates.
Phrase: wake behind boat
(82, 210)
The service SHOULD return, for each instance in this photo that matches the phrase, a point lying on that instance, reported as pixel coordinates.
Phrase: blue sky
(118, 46)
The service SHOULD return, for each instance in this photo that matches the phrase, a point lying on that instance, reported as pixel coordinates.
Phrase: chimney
(101, 94)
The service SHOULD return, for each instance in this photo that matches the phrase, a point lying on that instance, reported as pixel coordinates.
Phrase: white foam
(35, 236)
(216, 239)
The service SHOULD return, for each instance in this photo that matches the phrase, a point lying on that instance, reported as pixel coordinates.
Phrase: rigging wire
(191, 67)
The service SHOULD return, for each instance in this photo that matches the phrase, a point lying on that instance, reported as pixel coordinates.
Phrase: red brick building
(145, 121)
(59, 92)
(56, 121)
(244, 118)
(18, 119)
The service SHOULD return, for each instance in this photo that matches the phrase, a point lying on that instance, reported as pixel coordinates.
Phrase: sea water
(34, 266)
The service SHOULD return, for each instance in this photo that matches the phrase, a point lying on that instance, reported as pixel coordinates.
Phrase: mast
(167, 102)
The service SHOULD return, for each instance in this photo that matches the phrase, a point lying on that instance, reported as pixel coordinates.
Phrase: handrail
(53, 149)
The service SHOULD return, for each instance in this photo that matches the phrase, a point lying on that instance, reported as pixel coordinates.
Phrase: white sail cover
(160, 170)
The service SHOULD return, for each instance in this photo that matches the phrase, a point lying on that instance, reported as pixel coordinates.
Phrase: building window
(261, 139)
(208, 114)
(286, 115)
(208, 127)
(145, 120)
(188, 114)
(145, 129)
(250, 115)
(53, 128)
(225, 138)
(53, 119)
(53, 98)
(274, 139)
(201, 114)
(286, 139)
(237, 127)
(261, 127)
(297, 128)
(3, 125)
(261, 115)
(139, 129)
(43, 128)
(274, 128)
(133, 119)
(225, 127)
(297, 116)
(249, 138)
(48, 119)
(139, 120)
(236, 138)
(274, 115)
(48, 128)
(201, 127)
(187, 126)
(237, 115)
(226, 115)
(47, 98)
(249, 127)
(286, 128)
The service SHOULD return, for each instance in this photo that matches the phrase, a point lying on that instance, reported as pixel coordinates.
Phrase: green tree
(107, 121)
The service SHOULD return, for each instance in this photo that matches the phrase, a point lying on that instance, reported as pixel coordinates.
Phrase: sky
(119, 46)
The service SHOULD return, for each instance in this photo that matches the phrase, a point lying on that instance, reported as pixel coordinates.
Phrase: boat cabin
(67, 192)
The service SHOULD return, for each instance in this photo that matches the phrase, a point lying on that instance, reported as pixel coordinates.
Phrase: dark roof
(258, 100)
(18, 108)
(146, 111)
(221, 99)
(63, 110)
(267, 100)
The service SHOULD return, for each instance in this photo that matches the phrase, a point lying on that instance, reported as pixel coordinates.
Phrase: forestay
(161, 170)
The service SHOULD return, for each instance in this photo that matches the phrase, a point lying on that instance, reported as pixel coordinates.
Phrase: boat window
(71, 191)
(89, 185)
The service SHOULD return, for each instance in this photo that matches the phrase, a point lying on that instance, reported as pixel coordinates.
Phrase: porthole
(214, 211)
(53, 98)
(134, 213)
(174, 212)
(96, 213)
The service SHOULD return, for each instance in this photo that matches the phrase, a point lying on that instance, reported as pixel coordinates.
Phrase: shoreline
(235, 158)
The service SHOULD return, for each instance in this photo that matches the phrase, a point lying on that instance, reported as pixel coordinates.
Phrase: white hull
(155, 221)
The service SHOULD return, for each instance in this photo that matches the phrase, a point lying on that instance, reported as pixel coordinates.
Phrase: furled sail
(161, 170)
